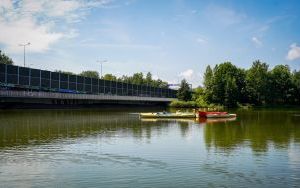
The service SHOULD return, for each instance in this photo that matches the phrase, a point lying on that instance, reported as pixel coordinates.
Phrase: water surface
(92, 148)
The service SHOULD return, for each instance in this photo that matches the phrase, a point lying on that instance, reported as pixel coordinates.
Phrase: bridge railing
(23, 78)
(49, 95)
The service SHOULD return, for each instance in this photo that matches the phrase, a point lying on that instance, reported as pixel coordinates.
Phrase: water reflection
(258, 129)
(28, 127)
(91, 148)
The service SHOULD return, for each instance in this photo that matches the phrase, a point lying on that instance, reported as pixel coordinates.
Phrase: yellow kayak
(168, 115)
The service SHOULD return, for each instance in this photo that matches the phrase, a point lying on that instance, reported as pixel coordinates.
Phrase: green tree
(281, 85)
(199, 97)
(208, 77)
(184, 92)
(228, 85)
(296, 83)
(110, 77)
(90, 74)
(148, 79)
(137, 78)
(65, 72)
(257, 82)
(231, 90)
(208, 84)
(4, 59)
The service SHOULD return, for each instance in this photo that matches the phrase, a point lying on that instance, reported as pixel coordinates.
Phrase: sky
(172, 39)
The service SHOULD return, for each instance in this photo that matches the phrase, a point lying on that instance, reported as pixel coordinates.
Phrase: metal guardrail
(50, 95)
(23, 78)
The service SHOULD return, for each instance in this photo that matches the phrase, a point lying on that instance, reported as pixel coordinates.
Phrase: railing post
(5, 73)
(29, 77)
(18, 74)
(68, 81)
(58, 80)
(40, 80)
(50, 80)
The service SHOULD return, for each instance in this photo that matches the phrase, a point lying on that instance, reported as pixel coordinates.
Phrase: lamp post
(101, 62)
(24, 47)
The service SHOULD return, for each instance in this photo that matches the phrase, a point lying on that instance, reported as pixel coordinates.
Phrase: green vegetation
(228, 85)
(140, 78)
(4, 59)
(64, 72)
(184, 93)
(110, 77)
(136, 78)
(90, 74)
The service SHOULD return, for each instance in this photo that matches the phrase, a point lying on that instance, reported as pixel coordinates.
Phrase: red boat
(215, 114)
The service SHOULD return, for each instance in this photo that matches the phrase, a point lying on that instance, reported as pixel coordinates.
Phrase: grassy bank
(193, 104)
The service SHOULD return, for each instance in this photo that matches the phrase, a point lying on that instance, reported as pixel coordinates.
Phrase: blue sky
(173, 39)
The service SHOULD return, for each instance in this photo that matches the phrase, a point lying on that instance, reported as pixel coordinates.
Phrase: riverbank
(193, 104)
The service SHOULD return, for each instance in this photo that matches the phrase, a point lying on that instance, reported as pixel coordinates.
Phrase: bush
(183, 104)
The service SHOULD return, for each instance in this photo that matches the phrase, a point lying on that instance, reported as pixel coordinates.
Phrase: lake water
(92, 148)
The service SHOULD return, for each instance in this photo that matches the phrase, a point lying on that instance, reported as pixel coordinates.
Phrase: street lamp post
(101, 62)
(24, 46)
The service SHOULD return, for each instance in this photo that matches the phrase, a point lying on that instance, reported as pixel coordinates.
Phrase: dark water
(90, 148)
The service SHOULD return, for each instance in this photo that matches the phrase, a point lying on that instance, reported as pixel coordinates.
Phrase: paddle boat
(202, 114)
(168, 115)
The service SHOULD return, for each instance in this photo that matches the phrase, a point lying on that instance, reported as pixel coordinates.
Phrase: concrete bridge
(35, 98)
(24, 86)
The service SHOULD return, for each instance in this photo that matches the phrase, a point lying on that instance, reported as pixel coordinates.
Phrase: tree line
(225, 84)
(229, 85)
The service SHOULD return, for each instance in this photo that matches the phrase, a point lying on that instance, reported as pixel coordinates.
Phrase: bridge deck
(100, 97)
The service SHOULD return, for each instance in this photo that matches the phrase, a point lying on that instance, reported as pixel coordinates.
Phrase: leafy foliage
(65, 72)
(109, 77)
(90, 74)
(4, 59)
(225, 84)
(184, 92)
(228, 85)
(257, 79)
(139, 78)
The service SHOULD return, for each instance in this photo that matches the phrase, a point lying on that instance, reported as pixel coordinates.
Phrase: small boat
(215, 115)
(181, 120)
(168, 115)
(215, 120)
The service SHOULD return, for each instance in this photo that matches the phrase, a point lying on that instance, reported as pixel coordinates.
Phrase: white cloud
(187, 74)
(201, 40)
(6, 4)
(24, 30)
(224, 16)
(256, 41)
(294, 52)
(38, 21)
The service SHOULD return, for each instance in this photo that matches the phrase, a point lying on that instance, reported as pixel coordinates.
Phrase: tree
(257, 82)
(110, 77)
(184, 92)
(208, 77)
(90, 74)
(231, 90)
(137, 78)
(199, 97)
(148, 79)
(65, 72)
(281, 84)
(227, 85)
(4, 59)
(296, 84)
(208, 81)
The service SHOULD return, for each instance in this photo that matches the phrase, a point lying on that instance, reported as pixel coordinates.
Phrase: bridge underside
(29, 99)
